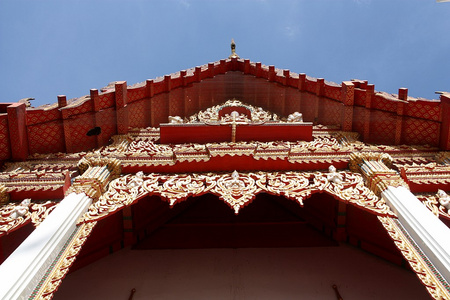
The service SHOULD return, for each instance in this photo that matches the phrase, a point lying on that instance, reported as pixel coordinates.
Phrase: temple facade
(344, 188)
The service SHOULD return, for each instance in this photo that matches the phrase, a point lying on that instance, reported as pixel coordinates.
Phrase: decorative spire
(233, 50)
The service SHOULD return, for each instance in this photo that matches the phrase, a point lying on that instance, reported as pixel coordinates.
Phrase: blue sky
(49, 48)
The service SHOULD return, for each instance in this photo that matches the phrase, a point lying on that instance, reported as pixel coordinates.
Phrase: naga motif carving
(236, 189)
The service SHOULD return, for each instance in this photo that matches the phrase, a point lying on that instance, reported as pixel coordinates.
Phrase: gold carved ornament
(418, 263)
(35, 213)
(62, 265)
(432, 202)
(96, 173)
(4, 196)
(235, 189)
(376, 169)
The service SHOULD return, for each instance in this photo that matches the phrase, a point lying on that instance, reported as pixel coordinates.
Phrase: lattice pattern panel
(139, 114)
(5, 151)
(76, 135)
(262, 99)
(106, 120)
(382, 127)
(136, 94)
(359, 115)
(330, 112)
(86, 106)
(191, 101)
(384, 104)
(176, 103)
(277, 94)
(159, 110)
(106, 100)
(309, 106)
(292, 101)
(360, 97)
(420, 132)
(41, 116)
(46, 138)
(333, 92)
(422, 109)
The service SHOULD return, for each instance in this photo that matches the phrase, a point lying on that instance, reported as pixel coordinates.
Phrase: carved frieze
(14, 215)
(426, 174)
(236, 189)
(433, 201)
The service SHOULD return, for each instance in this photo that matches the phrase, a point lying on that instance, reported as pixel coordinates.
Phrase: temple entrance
(207, 222)
(272, 249)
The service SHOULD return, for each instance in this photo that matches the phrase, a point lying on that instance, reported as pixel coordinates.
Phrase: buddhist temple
(230, 180)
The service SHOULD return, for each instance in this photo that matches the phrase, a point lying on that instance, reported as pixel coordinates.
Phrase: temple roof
(353, 105)
(240, 131)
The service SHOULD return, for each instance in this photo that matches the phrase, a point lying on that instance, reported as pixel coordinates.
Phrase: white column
(430, 234)
(25, 267)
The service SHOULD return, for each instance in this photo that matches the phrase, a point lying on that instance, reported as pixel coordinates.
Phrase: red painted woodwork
(202, 133)
(9, 242)
(60, 129)
(239, 163)
(17, 131)
(193, 133)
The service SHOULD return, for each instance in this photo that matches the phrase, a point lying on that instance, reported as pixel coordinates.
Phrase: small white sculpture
(21, 209)
(235, 182)
(444, 199)
(333, 175)
(295, 117)
(137, 180)
(175, 120)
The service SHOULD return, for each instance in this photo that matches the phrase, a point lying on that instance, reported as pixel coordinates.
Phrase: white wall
(269, 273)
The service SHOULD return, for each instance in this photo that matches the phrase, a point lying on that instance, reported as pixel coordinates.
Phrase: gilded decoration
(436, 285)
(436, 202)
(4, 196)
(375, 168)
(36, 175)
(443, 158)
(14, 215)
(59, 270)
(236, 189)
(96, 173)
(48, 173)
(425, 174)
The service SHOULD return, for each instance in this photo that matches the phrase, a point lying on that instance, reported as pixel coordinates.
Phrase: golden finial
(233, 50)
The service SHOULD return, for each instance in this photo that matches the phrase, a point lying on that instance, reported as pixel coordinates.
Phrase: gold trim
(236, 189)
(417, 262)
(65, 261)
(4, 196)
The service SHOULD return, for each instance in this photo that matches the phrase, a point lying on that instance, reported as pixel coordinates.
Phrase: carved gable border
(235, 189)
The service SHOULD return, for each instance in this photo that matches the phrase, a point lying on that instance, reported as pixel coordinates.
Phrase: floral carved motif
(235, 189)
(35, 213)
(431, 201)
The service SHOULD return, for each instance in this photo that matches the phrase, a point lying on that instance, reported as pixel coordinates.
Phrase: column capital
(95, 174)
(376, 170)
